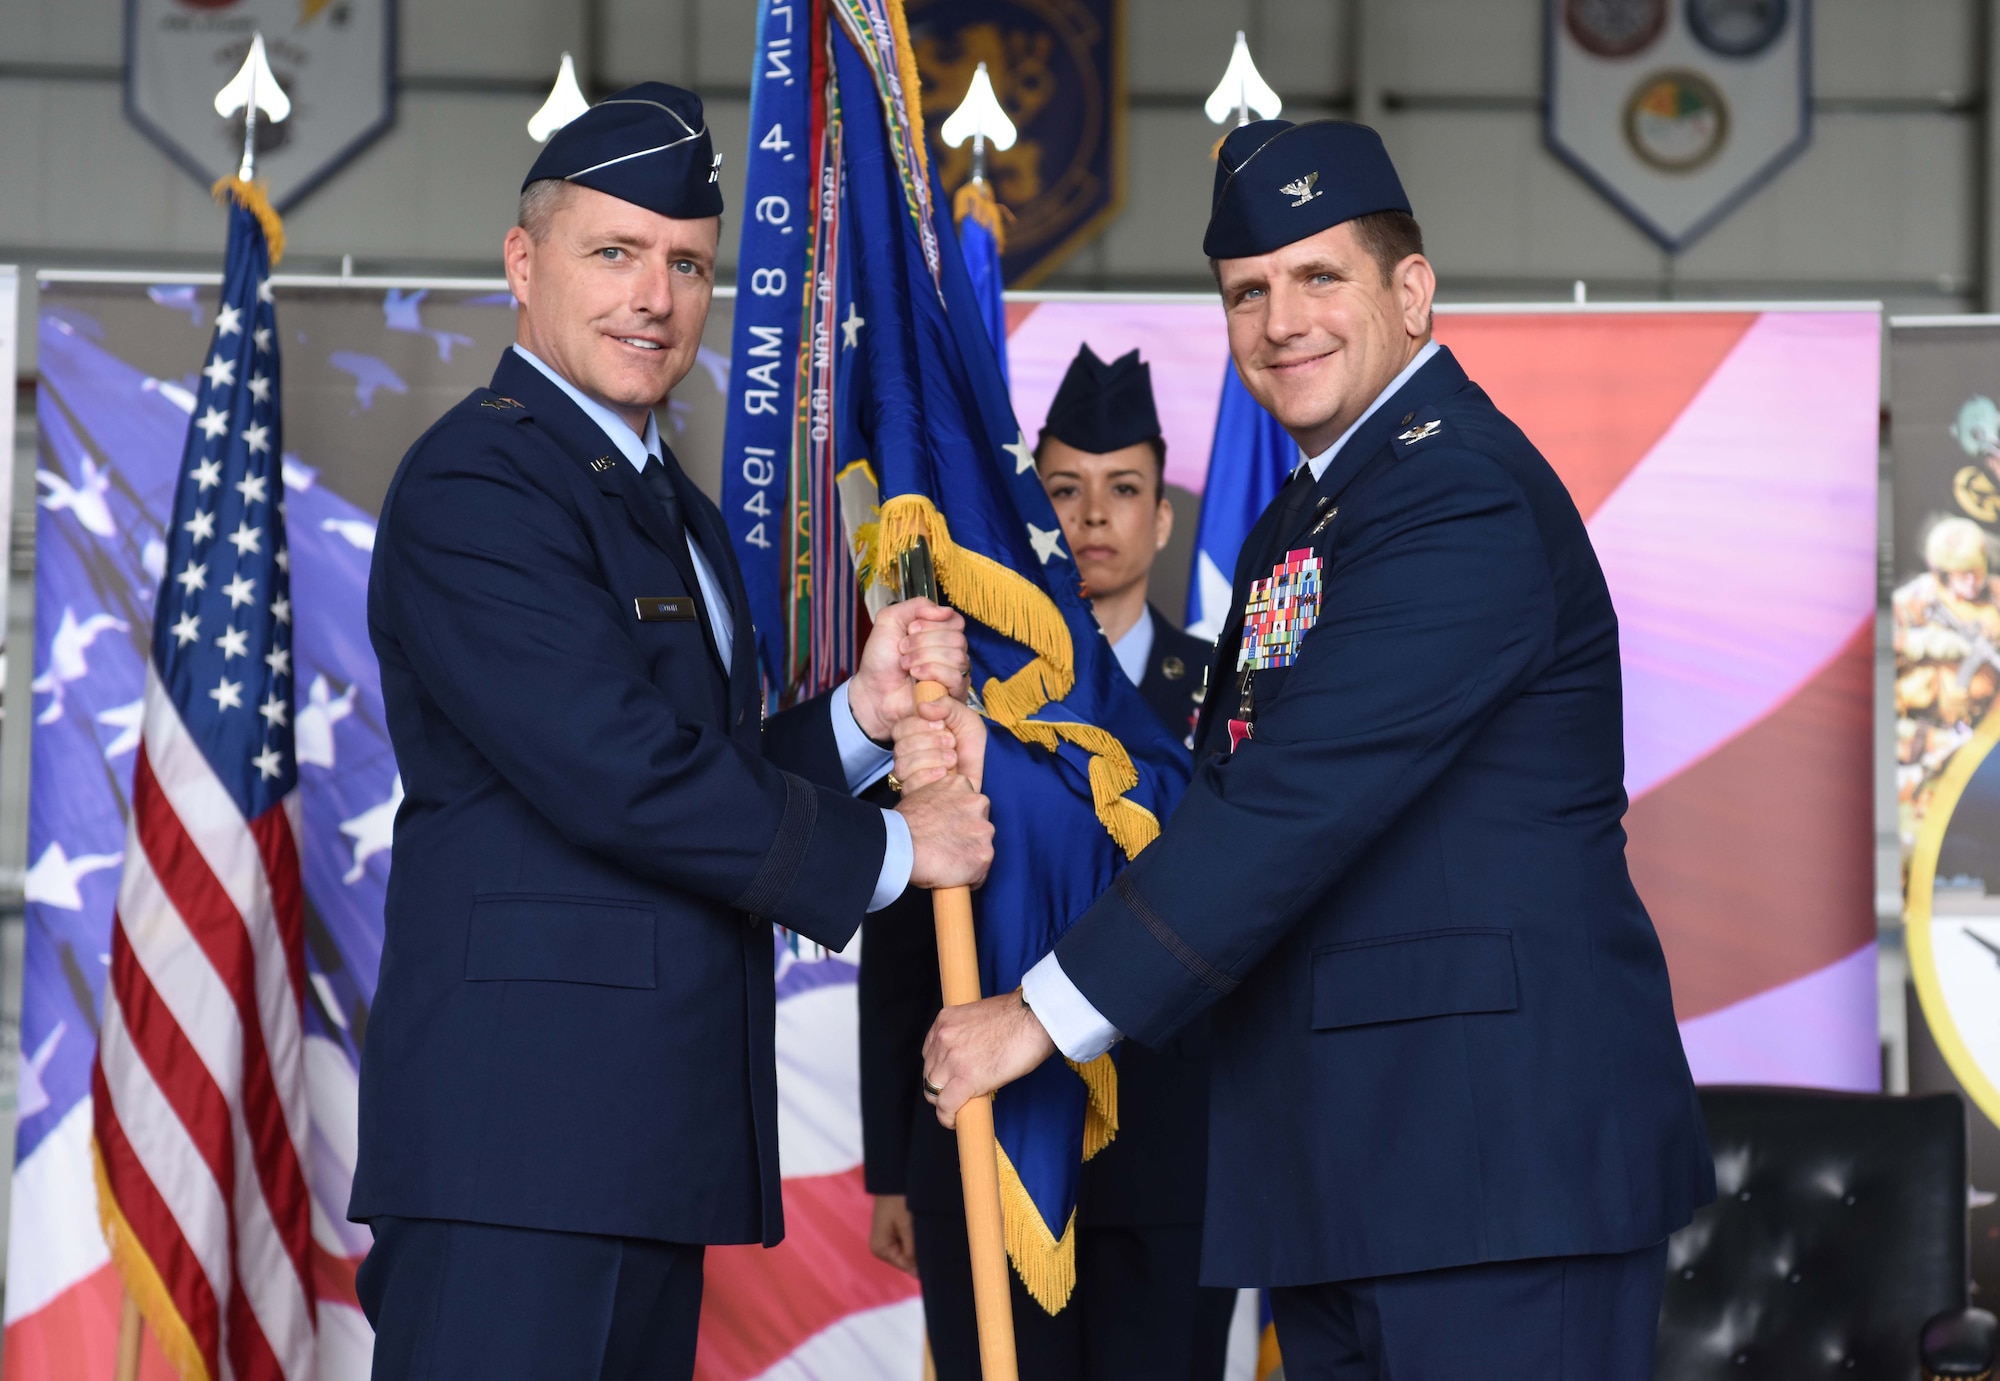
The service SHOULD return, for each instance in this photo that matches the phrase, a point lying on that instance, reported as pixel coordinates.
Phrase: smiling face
(1114, 516)
(1316, 331)
(613, 297)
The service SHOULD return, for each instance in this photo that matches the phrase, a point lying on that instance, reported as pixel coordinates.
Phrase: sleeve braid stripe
(1164, 933)
(774, 878)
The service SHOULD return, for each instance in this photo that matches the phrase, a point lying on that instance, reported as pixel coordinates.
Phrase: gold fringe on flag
(976, 199)
(1046, 1265)
(252, 198)
(142, 1279)
(913, 87)
(1100, 1117)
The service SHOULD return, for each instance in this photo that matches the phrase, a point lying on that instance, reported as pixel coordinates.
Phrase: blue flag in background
(1247, 465)
(1078, 770)
(979, 240)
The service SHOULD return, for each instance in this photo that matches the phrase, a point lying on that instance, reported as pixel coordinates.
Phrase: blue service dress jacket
(575, 1019)
(1443, 1031)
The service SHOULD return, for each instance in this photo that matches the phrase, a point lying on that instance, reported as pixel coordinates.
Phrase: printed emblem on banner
(1281, 610)
(333, 58)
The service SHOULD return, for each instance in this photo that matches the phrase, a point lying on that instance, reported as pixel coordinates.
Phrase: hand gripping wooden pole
(978, 1161)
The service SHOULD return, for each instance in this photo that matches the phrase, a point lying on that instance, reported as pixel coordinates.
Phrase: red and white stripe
(199, 1092)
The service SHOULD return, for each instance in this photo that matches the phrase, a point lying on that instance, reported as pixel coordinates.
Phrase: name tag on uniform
(1280, 611)
(664, 608)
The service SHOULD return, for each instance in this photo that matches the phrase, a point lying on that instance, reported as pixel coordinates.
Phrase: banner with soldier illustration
(1945, 624)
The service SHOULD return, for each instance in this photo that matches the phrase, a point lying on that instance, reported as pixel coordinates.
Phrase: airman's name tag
(664, 608)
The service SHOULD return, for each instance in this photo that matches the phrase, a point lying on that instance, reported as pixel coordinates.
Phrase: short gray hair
(540, 200)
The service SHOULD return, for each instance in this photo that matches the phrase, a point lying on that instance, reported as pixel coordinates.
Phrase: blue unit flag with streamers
(1247, 465)
(905, 434)
(771, 274)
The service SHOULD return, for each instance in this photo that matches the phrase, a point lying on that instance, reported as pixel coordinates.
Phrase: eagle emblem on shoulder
(1302, 188)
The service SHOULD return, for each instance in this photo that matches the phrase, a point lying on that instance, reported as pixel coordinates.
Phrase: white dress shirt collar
(1325, 458)
(1135, 648)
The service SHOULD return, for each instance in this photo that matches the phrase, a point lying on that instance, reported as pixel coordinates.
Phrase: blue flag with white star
(222, 639)
(1247, 465)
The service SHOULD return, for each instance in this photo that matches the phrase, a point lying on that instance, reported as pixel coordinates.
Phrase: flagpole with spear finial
(566, 101)
(1241, 92)
(254, 88)
(979, 118)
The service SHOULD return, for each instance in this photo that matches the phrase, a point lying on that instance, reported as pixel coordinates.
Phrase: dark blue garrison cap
(648, 145)
(1276, 182)
(1104, 407)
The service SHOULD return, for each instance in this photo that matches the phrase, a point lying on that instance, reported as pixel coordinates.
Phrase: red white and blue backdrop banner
(10, 288)
(1724, 458)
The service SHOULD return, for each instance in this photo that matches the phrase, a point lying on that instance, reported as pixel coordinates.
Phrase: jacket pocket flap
(561, 939)
(1402, 978)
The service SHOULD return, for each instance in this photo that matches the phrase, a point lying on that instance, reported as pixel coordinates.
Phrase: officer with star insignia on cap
(1451, 1124)
(1139, 1312)
(569, 1086)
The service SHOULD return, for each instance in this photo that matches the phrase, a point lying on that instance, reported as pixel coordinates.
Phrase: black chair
(1836, 1246)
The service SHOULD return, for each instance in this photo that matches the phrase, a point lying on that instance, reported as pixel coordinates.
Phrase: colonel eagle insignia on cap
(1301, 188)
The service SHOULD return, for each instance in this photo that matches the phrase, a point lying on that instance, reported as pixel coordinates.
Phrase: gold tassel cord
(976, 200)
(1100, 1117)
(1046, 1264)
(142, 1280)
(251, 197)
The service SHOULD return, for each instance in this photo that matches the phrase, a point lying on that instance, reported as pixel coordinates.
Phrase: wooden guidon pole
(131, 1331)
(978, 1161)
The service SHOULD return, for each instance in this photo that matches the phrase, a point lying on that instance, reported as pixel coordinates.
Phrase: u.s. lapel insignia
(1328, 511)
(500, 403)
(1421, 433)
(1302, 188)
(601, 464)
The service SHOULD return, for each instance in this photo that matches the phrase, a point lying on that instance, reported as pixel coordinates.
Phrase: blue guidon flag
(200, 1122)
(902, 431)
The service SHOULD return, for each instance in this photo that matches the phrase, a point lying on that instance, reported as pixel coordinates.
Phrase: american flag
(199, 1092)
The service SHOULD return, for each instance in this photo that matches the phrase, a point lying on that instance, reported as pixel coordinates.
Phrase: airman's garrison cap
(1102, 407)
(1276, 182)
(648, 145)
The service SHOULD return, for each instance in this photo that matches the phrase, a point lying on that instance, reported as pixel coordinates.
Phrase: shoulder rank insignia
(1302, 188)
(1422, 432)
(501, 403)
(601, 464)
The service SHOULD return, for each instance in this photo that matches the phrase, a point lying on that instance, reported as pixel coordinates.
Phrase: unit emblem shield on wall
(1678, 110)
(335, 59)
